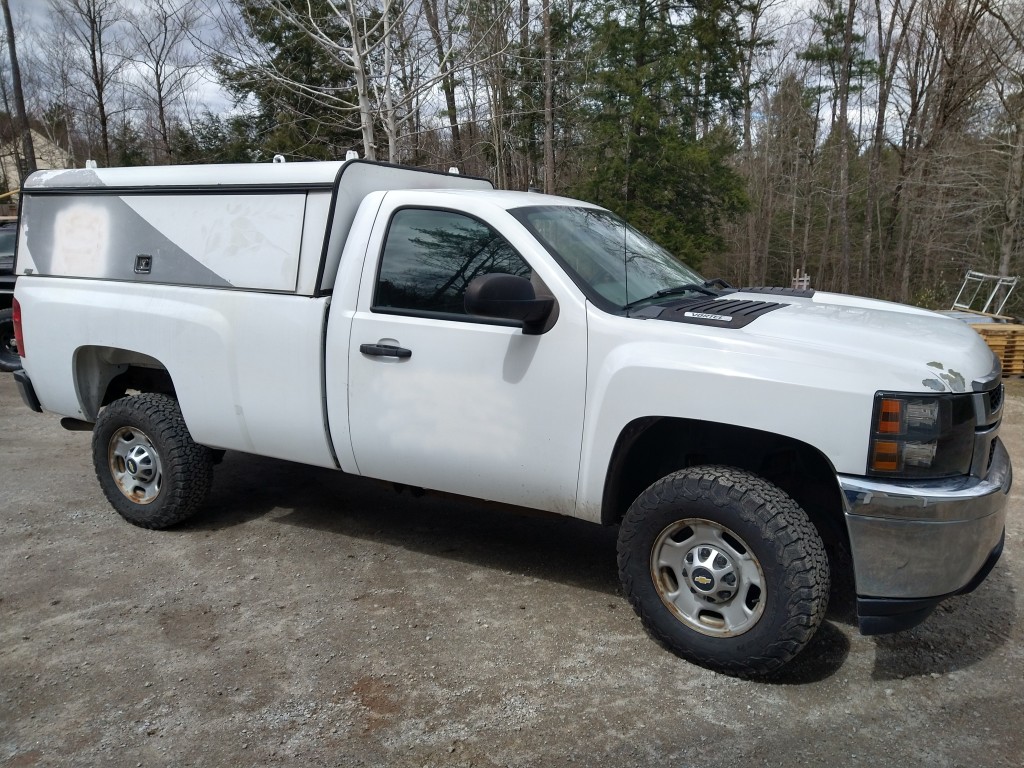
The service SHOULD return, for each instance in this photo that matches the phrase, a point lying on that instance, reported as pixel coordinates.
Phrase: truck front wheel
(149, 468)
(724, 569)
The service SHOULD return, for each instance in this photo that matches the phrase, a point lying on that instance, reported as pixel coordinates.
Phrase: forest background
(877, 145)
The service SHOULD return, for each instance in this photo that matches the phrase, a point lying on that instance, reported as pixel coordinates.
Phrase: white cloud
(33, 17)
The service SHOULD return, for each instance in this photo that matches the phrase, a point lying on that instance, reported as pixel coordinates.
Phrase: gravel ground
(309, 618)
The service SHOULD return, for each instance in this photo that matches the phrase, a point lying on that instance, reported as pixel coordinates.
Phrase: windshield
(613, 263)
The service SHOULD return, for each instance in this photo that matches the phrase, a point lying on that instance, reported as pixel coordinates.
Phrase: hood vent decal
(718, 313)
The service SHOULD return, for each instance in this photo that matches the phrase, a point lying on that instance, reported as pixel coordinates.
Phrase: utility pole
(19, 98)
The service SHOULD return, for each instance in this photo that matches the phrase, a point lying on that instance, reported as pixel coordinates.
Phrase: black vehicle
(9, 360)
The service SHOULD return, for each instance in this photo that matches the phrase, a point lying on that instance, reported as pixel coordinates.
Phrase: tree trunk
(1014, 192)
(362, 83)
(390, 119)
(99, 82)
(430, 8)
(844, 149)
(752, 40)
(19, 99)
(161, 111)
(888, 54)
(549, 115)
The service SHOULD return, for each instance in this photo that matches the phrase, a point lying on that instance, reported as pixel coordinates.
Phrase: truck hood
(904, 345)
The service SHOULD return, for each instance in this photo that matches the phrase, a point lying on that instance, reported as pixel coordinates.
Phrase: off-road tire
(9, 358)
(787, 548)
(153, 423)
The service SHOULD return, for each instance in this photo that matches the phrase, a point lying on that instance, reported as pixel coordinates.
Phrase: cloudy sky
(35, 14)
(35, 11)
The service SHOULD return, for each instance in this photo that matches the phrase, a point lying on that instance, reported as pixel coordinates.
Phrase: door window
(431, 256)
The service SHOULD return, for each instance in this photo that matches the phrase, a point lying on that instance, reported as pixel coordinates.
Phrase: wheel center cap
(140, 464)
(703, 579)
(711, 573)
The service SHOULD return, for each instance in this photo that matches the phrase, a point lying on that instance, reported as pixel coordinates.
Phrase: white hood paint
(909, 349)
(809, 370)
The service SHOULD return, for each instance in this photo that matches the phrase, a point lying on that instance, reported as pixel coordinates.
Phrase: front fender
(639, 369)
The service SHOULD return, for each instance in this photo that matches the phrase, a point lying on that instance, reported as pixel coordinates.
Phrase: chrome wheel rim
(708, 577)
(135, 465)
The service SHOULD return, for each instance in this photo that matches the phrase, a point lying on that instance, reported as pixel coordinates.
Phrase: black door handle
(385, 350)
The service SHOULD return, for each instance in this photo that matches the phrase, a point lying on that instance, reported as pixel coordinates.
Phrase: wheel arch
(650, 448)
(103, 374)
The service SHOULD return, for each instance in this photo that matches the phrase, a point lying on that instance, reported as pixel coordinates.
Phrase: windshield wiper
(672, 291)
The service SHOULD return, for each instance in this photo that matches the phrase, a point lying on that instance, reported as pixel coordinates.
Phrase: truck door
(442, 400)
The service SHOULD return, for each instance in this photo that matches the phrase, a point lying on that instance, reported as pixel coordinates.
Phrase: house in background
(48, 155)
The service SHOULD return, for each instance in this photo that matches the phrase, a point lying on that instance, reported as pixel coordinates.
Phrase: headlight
(921, 435)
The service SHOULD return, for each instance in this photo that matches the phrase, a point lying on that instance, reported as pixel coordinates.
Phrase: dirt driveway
(308, 618)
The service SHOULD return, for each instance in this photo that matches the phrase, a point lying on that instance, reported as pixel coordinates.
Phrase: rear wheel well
(104, 374)
(649, 449)
(139, 379)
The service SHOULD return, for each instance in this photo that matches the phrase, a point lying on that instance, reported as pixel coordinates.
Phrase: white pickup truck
(427, 330)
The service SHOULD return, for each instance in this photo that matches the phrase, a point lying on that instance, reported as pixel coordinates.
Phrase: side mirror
(509, 298)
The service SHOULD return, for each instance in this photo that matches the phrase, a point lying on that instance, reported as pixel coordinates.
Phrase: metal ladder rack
(977, 281)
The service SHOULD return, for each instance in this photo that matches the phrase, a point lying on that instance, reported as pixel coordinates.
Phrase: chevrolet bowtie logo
(702, 580)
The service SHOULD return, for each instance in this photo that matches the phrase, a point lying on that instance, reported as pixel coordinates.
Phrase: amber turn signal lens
(886, 456)
(890, 417)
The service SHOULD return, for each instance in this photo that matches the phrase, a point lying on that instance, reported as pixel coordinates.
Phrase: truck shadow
(961, 632)
(541, 545)
(822, 658)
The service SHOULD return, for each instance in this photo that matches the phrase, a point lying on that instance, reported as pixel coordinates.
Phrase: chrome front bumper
(925, 539)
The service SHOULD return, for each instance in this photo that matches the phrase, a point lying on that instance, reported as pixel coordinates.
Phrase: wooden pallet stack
(1007, 341)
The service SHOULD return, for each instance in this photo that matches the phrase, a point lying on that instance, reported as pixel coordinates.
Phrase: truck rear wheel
(149, 468)
(724, 569)
(9, 359)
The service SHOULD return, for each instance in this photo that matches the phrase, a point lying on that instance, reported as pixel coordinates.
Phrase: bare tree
(161, 33)
(1006, 45)
(440, 24)
(891, 32)
(95, 27)
(846, 67)
(549, 107)
(51, 88)
(944, 70)
(374, 31)
(754, 73)
(19, 96)
(902, 117)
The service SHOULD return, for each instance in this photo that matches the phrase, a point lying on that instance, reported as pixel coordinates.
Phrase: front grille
(995, 399)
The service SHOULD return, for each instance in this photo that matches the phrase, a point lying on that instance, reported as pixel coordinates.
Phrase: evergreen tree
(826, 52)
(217, 139)
(286, 120)
(127, 146)
(659, 149)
